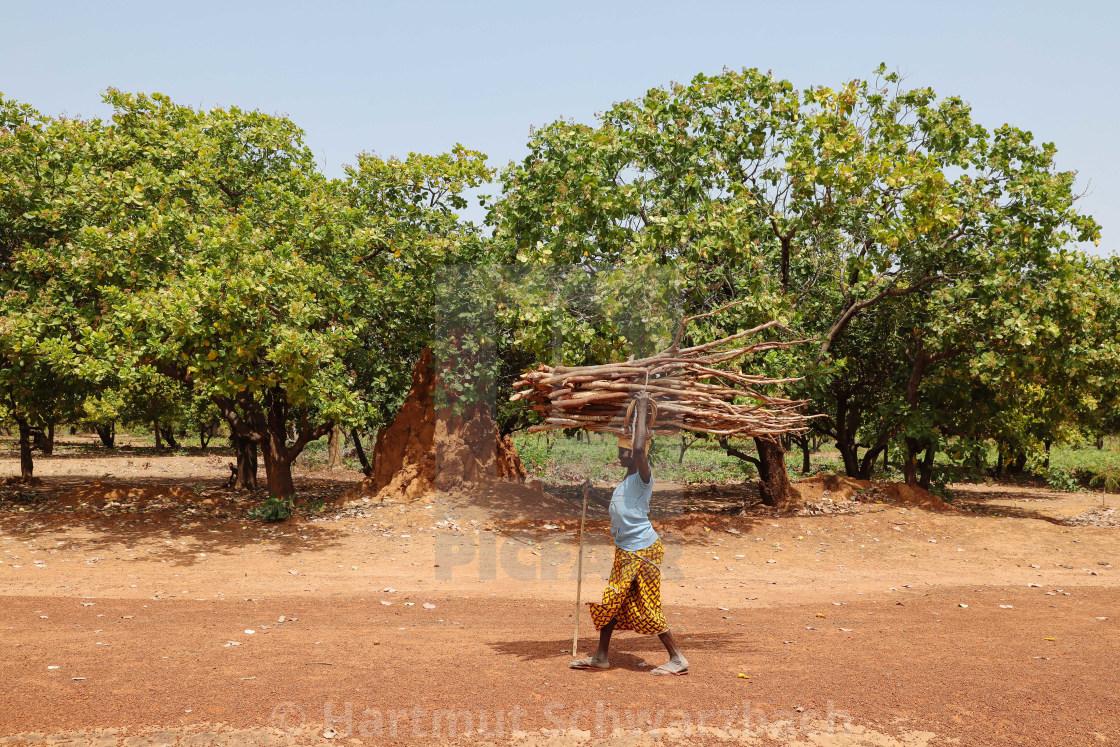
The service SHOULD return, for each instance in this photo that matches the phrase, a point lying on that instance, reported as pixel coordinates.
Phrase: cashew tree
(49, 191)
(837, 209)
(227, 262)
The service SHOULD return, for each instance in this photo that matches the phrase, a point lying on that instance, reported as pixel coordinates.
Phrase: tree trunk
(847, 430)
(927, 466)
(334, 449)
(26, 464)
(803, 442)
(1100, 442)
(48, 440)
(169, 436)
(910, 465)
(774, 485)
(278, 455)
(881, 446)
(774, 488)
(159, 440)
(209, 432)
(1046, 464)
(685, 443)
(848, 451)
(867, 465)
(246, 450)
(367, 468)
(107, 432)
(278, 467)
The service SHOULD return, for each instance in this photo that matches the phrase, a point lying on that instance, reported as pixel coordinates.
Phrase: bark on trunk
(48, 440)
(278, 467)
(851, 461)
(847, 427)
(774, 485)
(867, 464)
(168, 436)
(208, 433)
(803, 442)
(250, 424)
(356, 437)
(685, 443)
(910, 465)
(26, 464)
(1046, 465)
(774, 488)
(927, 467)
(919, 473)
(246, 462)
(278, 455)
(107, 432)
(334, 449)
(1100, 442)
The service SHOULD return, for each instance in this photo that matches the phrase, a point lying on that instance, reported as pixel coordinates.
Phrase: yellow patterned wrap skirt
(633, 593)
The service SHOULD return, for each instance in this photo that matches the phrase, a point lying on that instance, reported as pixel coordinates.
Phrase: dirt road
(422, 624)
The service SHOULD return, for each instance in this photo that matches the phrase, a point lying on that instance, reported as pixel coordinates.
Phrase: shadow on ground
(627, 651)
(1032, 505)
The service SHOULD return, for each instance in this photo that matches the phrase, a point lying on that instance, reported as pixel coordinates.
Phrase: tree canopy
(219, 257)
(171, 265)
(885, 222)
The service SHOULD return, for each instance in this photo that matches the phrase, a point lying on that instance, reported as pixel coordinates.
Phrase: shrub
(1064, 480)
(273, 509)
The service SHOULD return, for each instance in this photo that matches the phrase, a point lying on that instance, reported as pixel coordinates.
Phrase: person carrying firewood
(632, 599)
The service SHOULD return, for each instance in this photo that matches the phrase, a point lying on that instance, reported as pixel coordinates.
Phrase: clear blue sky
(398, 77)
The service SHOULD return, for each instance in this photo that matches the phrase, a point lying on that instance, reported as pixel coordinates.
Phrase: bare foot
(678, 665)
(593, 662)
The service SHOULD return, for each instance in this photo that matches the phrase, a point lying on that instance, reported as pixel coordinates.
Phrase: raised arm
(641, 459)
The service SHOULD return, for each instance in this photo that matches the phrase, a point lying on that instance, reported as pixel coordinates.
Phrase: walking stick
(579, 565)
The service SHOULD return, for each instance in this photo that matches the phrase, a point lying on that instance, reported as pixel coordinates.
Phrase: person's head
(626, 452)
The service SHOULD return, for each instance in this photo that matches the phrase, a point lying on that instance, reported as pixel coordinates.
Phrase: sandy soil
(128, 608)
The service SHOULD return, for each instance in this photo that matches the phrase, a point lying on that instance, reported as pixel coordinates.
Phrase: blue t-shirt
(629, 511)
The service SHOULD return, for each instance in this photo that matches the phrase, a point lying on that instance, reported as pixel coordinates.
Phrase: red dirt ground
(888, 625)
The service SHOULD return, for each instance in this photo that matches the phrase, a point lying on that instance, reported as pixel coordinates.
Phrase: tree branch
(846, 317)
(732, 451)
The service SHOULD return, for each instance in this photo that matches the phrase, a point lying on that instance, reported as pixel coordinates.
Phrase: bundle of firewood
(689, 389)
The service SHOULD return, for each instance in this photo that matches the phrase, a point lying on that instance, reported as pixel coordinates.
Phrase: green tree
(231, 265)
(822, 205)
(48, 193)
